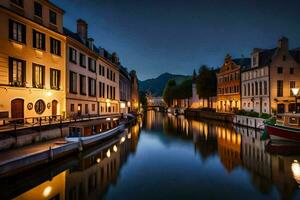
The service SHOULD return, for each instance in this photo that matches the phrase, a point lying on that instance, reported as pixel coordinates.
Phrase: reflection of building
(228, 88)
(32, 59)
(229, 147)
(51, 189)
(255, 159)
(97, 170)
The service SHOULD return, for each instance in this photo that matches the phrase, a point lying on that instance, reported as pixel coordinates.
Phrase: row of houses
(262, 83)
(47, 69)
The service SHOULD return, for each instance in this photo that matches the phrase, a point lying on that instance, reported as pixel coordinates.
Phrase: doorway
(17, 108)
(54, 107)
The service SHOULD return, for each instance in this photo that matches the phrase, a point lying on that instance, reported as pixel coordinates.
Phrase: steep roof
(244, 63)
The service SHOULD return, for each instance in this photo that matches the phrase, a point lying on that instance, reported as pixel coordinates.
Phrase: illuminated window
(38, 76)
(55, 46)
(17, 31)
(38, 40)
(17, 73)
(54, 79)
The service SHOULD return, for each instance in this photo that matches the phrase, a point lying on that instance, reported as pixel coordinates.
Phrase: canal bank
(21, 159)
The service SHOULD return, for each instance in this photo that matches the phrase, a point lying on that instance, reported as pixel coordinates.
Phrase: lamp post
(295, 92)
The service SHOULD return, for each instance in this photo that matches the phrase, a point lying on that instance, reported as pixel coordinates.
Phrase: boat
(95, 130)
(286, 128)
(283, 147)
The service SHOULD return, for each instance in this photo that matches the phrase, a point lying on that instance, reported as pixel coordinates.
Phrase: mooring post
(50, 153)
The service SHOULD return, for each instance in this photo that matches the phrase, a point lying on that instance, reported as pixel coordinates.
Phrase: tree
(206, 83)
(168, 94)
(143, 99)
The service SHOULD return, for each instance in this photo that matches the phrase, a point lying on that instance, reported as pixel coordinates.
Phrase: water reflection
(177, 153)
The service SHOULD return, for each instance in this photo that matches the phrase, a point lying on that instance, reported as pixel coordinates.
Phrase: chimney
(82, 29)
(283, 43)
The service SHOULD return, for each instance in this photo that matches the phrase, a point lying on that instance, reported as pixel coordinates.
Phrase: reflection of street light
(296, 171)
(295, 92)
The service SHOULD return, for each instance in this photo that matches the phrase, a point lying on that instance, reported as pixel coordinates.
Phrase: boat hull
(97, 137)
(283, 148)
(283, 133)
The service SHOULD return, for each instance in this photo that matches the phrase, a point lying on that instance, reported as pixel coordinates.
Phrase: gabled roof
(265, 56)
(76, 37)
(295, 53)
(244, 63)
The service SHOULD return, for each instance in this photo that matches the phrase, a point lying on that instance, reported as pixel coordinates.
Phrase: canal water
(166, 157)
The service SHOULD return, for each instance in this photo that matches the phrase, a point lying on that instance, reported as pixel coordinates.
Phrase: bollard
(50, 153)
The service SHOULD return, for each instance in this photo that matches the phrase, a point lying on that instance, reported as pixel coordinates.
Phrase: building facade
(228, 84)
(108, 83)
(266, 86)
(32, 59)
(134, 92)
(125, 90)
(81, 72)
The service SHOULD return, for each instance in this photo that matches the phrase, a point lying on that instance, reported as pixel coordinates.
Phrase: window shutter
(34, 38)
(10, 28)
(33, 75)
(43, 42)
(24, 34)
(58, 79)
(10, 64)
(24, 71)
(51, 78)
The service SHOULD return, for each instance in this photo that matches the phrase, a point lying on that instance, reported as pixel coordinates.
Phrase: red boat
(287, 128)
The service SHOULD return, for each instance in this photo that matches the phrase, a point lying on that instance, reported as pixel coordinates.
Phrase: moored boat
(94, 131)
(286, 128)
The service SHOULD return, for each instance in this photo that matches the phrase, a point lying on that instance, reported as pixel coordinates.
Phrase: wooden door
(17, 108)
(54, 108)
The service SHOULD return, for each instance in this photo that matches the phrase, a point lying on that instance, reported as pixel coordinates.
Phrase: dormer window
(52, 17)
(19, 3)
(38, 9)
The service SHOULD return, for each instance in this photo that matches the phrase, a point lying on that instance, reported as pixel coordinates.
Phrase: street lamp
(295, 92)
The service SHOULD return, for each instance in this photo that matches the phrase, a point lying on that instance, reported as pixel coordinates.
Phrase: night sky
(173, 36)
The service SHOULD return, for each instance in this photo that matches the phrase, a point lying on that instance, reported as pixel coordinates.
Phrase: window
(279, 70)
(92, 65)
(55, 46)
(102, 89)
(284, 58)
(103, 71)
(107, 73)
(279, 88)
(73, 82)
(72, 55)
(17, 72)
(82, 60)
(82, 84)
(38, 76)
(38, 9)
(17, 31)
(292, 85)
(114, 77)
(291, 70)
(38, 40)
(100, 70)
(256, 88)
(92, 87)
(18, 2)
(52, 17)
(86, 108)
(55, 79)
(280, 108)
(93, 107)
(265, 88)
(107, 92)
(72, 108)
(260, 88)
(39, 106)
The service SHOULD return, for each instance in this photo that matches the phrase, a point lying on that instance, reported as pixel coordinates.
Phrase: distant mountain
(156, 85)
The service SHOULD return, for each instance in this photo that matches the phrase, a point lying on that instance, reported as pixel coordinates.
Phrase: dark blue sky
(175, 36)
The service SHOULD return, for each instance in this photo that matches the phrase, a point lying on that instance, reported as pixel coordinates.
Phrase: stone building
(266, 86)
(125, 90)
(228, 84)
(81, 72)
(92, 74)
(32, 59)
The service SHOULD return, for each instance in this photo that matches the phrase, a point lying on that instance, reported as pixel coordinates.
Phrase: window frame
(20, 35)
(42, 39)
